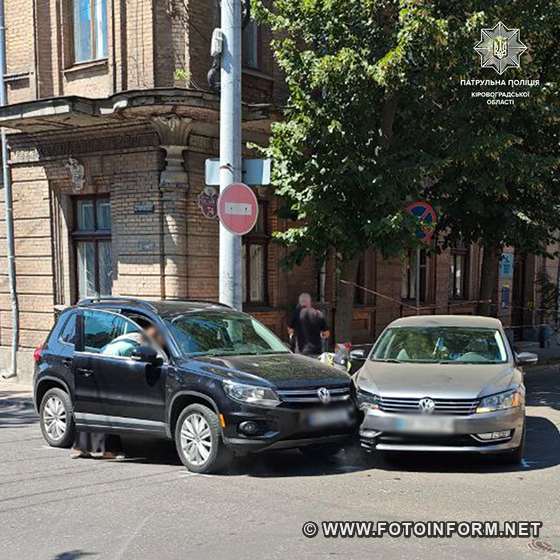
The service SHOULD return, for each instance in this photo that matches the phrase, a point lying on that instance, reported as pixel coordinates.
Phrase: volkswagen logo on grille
(426, 406)
(324, 395)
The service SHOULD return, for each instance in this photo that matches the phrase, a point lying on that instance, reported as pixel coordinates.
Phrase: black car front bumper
(284, 427)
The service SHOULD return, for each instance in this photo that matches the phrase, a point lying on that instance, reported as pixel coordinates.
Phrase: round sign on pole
(238, 208)
(425, 214)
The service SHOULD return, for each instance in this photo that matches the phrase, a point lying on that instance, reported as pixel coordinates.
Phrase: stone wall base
(24, 365)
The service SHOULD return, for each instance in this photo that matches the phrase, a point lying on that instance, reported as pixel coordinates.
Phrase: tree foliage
(377, 115)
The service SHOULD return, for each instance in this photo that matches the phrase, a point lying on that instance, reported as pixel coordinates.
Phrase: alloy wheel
(54, 417)
(196, 439)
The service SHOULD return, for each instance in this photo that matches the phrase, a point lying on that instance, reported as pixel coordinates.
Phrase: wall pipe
(8, 207)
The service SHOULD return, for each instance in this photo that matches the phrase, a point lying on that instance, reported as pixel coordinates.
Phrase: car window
(110, 334)
(68, 334)
(441, 345)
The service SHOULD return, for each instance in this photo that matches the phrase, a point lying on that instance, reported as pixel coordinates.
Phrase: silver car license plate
(426, 424)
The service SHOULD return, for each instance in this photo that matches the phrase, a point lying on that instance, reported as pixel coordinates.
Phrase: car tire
(56, 418)
(322, 452)
(513, 457)
(198, 438)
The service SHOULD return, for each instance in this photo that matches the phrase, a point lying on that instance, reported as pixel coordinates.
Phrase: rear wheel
(198, 440)
(57, 422)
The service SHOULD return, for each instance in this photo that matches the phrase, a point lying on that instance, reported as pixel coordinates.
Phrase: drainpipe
(8, 207)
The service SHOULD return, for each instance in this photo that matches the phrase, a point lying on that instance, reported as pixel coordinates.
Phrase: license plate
(425, 425)
(324, 418)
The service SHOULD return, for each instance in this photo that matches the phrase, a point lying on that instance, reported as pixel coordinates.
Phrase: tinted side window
(68, 334)
(110, 334)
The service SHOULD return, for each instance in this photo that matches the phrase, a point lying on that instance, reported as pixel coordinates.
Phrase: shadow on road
(16, 410)
(73, 555)
(542, 451)
(543, 387)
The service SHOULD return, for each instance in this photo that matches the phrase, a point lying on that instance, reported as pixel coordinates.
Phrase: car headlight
(367, 400)
(501, 401)
(251, 394)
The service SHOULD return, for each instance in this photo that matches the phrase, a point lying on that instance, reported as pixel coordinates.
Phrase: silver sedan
(444, 383)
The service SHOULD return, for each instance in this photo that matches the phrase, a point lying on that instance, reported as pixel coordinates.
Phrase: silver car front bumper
(439, 433)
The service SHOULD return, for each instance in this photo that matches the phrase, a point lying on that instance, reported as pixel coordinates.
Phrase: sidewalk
(14, 393)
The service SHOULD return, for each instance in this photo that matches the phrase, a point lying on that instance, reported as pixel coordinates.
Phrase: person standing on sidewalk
(309, 327)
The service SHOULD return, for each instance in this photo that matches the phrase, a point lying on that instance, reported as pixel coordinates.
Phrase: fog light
(494, 435)
(249, 428)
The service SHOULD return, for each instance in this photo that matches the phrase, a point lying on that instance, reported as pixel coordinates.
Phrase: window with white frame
(92, 243)
(458, 272)
(409, 275)
(254, 261)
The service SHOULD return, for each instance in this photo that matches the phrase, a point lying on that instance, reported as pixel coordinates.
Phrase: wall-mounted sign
(208, 202)
(506, 265)
(144, 207)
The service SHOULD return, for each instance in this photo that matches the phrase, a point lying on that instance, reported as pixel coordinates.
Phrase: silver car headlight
(502, 401)
(367, 400)
(251, 394)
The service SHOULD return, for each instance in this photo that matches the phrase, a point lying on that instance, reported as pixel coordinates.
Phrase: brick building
(110, 123)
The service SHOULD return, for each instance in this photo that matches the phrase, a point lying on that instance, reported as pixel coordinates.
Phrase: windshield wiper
(388, 360)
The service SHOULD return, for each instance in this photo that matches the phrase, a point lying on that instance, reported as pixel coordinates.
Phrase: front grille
(307, 396)
(453, 407)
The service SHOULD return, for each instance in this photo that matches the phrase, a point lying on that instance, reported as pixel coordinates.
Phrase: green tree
(344, 174)
(377, 115)
(494, 173)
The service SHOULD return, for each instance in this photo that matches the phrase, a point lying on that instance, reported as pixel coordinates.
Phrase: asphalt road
(150, 507)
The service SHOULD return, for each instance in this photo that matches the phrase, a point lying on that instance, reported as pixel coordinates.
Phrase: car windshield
(222, 333)
(453, 345)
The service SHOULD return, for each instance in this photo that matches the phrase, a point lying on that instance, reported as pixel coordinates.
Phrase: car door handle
(85, 372)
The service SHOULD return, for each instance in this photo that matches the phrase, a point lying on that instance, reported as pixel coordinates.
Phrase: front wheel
(514, 457)
(57, 422)
(198, 440)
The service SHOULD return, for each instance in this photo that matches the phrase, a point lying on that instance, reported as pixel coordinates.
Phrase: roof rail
(115, 299)
(210, 302)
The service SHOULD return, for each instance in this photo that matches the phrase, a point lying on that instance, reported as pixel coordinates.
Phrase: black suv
(213, 379)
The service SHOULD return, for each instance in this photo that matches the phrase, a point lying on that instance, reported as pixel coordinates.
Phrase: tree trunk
(345, 301)
(489, 280)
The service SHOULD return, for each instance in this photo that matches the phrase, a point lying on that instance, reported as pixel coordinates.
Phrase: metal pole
(418, 252)
(8, 207)
(230, 147)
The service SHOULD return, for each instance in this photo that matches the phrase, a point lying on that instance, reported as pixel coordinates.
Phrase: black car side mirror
(146, 354)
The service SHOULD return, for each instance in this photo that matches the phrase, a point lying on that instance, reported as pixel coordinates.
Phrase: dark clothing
(90, 442)
(308, 324)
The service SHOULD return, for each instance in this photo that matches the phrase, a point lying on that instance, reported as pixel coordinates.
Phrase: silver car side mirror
(526, 359)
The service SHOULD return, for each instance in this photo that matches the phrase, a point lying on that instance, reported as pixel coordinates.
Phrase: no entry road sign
(427, 217)
(238, 208)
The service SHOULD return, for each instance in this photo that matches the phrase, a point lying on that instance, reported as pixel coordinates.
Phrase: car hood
(280, 370)
(467, 381)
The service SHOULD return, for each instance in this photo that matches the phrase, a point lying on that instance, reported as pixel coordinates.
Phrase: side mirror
(359, 354)
(526, 359)
(146, 354)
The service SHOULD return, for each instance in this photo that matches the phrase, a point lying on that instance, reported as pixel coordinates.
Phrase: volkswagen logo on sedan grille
(426, 406)
(324, 395)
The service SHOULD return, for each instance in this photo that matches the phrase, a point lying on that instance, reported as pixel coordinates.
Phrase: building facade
(111, 121)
